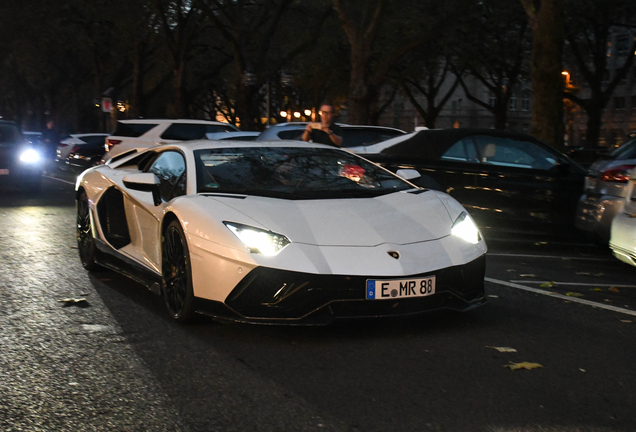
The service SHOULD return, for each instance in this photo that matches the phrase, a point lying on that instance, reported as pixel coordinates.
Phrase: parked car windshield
(9, 134)
(626, 151)
(293, 173)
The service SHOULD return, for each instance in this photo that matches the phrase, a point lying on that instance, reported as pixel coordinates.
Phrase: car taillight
(619, 174)
(110, 143)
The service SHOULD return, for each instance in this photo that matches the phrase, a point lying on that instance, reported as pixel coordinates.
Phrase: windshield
(626, 151)
(9, 134)
(292, 173)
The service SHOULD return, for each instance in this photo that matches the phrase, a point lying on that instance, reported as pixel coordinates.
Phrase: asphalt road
(83, 351)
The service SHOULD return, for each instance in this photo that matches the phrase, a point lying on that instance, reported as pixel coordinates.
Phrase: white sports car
(278, 232)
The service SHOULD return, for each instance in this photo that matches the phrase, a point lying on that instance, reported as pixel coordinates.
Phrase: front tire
(85, 239)
(176, 274)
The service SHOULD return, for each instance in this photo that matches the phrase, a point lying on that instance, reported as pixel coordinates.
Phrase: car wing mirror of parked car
(145, 182)
(408, 174)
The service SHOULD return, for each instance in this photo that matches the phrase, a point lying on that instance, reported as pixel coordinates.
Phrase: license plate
(400, 288)
(4, 171)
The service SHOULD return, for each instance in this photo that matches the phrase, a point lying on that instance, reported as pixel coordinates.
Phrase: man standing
(325, 132)
(51, 141)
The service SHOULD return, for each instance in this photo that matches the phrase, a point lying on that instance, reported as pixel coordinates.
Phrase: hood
(398, 218)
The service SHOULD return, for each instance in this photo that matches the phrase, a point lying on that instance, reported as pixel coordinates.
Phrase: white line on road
(561, 296)
(551, 257)
(574, 283)
(63, 181)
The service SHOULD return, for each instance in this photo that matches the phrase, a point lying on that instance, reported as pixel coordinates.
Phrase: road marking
(561, 296)
(552, 257)
(60, 180)
(574, 283)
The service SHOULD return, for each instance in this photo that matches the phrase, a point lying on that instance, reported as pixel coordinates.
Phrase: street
(82, 351)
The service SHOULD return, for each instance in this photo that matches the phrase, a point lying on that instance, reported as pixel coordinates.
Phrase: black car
(21, 161)
(506, 180)
(86, 155)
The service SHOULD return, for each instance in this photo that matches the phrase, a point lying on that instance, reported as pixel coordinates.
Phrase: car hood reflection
(399, 218)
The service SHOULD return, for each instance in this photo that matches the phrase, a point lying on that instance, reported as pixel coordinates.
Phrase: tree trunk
(594, 121)
(547, 81)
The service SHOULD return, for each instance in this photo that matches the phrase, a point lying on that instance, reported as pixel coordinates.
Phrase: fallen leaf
(598, 289)
(511, 270)
(583, 273)
(493, 296)
(523, 365)
(613, 289)
(627, 321)
(574, 294)
(529, 275)
(582, 370)
(72, 300)
(503, 349)
(547, 285)
(540, 243)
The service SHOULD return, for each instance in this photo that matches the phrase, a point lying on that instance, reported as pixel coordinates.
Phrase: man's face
(326, 114)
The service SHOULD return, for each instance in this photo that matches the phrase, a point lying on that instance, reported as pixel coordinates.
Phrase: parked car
(604, 191)
(353, 136)
(69, 144)
(278, 232)
(508, 181)
(85, 155)
(623, 231)
(21, 161)
(133, 135)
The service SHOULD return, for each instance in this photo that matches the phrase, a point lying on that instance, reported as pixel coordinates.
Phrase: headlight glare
(257, 240)
(29, 156)
(464, 227)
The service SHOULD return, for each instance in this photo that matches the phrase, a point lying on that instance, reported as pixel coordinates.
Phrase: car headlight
(464, 227)
(29, 156)
(257, 240)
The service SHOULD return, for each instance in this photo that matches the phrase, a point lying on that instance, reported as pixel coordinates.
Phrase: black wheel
(176, 280)
(85, 239)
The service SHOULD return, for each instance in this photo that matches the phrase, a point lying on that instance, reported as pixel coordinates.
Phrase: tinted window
(133, 130)
(365, 137)
(626, 151)
(513, 153)
(463, 150)
(169, 167)
(291, 134)
(192, 131)
(94, 139)
(9, 134)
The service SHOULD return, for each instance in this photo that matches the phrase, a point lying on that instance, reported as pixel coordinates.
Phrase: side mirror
(145, 182)
(408, 174)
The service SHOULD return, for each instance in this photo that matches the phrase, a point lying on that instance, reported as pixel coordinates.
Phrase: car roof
(159, 121)
(432, 143)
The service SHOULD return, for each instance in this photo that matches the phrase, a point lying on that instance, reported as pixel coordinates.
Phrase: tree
(590, 26)
(251, 30)
(428, 79)
(378, 41)
(496, 55)
(546, 22)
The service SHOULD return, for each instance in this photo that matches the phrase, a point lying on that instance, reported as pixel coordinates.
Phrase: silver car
(623, 239)
(604, 190)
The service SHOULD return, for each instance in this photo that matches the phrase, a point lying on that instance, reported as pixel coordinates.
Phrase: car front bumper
(273, 296)
(623, 238)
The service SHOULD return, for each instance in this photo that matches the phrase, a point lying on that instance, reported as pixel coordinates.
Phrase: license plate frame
(391, 289)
